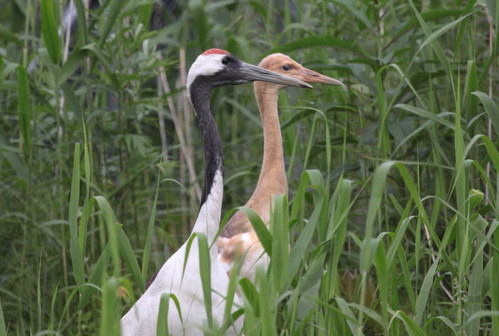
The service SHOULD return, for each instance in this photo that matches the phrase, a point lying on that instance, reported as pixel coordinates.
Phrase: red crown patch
(216, 51)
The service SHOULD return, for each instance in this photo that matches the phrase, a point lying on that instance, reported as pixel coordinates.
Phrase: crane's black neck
(199, 92)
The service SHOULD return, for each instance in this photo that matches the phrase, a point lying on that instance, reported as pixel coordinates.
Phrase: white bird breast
(142, 318)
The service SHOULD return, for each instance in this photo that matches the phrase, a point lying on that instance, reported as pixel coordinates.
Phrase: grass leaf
(412, 328)
(111, 13)
(75, 248)
(3, 328)
(260, 228)
(50, 26)
(150, 229)
(162, 327)
(24, 111)
(110, 315)
(205, 272)
(490, 107)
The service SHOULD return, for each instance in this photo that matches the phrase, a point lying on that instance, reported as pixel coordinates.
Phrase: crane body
(211, 69)
(238, 238)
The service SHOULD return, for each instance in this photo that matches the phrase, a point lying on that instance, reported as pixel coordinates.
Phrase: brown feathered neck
(272, 180)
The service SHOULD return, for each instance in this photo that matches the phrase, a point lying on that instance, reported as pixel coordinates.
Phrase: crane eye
(286, 67)
(226, 60)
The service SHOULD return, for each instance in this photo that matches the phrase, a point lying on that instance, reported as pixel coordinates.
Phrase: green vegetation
(393, 201)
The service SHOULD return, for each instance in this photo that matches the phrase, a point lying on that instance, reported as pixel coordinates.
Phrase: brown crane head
(286, 66)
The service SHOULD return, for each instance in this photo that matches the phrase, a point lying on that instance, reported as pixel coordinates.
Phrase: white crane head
(217, 67)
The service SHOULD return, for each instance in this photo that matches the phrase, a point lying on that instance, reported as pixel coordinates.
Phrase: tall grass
(391, 217)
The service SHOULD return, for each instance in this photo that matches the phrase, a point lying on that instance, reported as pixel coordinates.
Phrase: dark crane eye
(286, 67)
(226, 60)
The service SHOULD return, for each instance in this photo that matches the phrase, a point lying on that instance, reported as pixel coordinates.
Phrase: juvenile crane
(238, 238)
(213, 68)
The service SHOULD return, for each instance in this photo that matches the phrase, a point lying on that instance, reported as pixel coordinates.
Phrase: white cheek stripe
(205, 65)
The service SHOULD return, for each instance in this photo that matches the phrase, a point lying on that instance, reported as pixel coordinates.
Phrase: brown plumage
(238, 237)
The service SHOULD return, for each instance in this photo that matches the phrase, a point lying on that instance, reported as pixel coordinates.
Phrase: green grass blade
(474, 295)
(298, 250)
(15, 161)
(436, 34)
(177, 306)
(280, 242)
(88, 203)
(490, 107)
(205, 272)
(82, 23)
(353, 324)
(359, 13)
(75, 249)
(431, 39)
(104, 62)
(425, 115)
(96, 277)
(338, 225)
(113, 232)
(492, 151)
(38, 293)
(260, 228)
(23, 108)
(407, 280)
(471, 85)
(73, 63)
(7, 35)
(50, 26)
(150, 229)
(266, 303)
(162, 327)
(3, 327)
(378, 185)
(484, 313)
(231, 292)
(424, 292)
(73, 101)
(110, 315)
(380, 263)
(383, 137)
(7, 69)
(313, 275)
(494, 290)
(432, 15)
(126, 251)
(188, 246)
(111, 14)
(411, 327)
(411, 186)
(251, 295)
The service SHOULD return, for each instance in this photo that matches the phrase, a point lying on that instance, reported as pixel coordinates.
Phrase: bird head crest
(216, 52)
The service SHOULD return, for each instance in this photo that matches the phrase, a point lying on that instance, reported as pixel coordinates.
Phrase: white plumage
(142, 318)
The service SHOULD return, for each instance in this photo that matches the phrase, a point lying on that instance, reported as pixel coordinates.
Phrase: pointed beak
(254, 73)
(311, 76)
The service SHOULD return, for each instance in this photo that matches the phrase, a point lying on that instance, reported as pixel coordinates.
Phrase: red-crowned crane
(238, 237)
(212, 69)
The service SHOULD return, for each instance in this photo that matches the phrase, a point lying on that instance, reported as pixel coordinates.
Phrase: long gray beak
(315, 77)
(254, 73)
